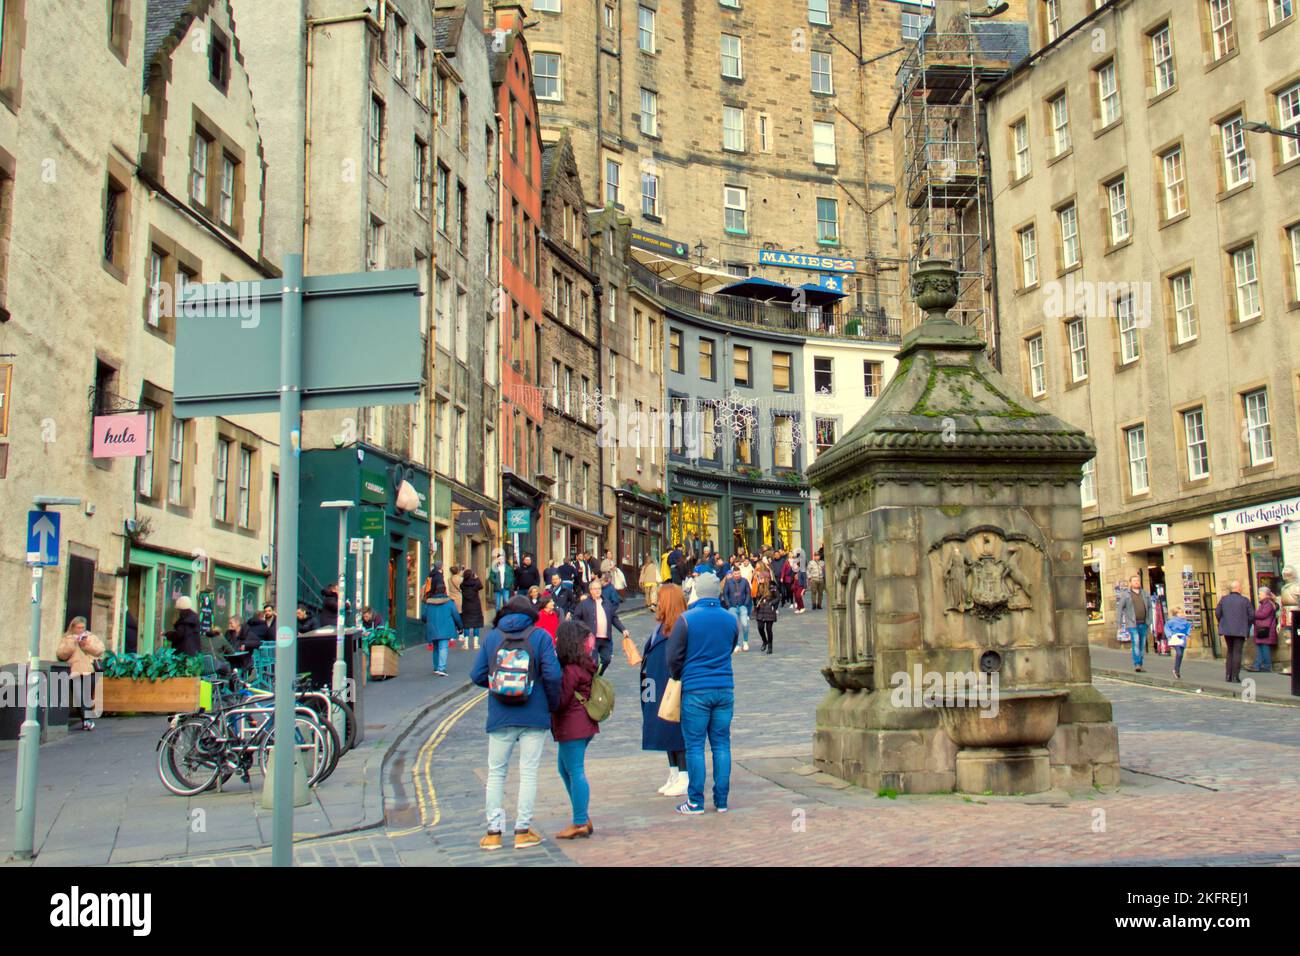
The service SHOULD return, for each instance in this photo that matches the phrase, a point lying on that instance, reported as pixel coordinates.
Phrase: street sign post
(342, 341)
(42, 552)
(43, 538)
(339, 676)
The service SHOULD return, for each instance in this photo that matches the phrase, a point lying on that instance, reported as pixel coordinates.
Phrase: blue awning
(762, 289)
(816, 295)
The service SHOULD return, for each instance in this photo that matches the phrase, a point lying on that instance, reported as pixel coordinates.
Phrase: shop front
(158, 578)
(403, 552)
(739, 515)
(640, 523)
(474, 530)
(571, 530)
(523, 511)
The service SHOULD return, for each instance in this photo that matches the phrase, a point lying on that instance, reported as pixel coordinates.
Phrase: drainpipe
(986, 176)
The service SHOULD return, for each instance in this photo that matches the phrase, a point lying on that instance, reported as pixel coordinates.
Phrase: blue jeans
(1137, 638)
(472, 632)
(741, 614)
(501, 744)
(440, 655)
(1263, 657)
(1178, 659)
(707, 713)
(503, 598)
(574, 775)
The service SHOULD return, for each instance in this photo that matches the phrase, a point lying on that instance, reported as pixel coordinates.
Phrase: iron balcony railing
(869, 325)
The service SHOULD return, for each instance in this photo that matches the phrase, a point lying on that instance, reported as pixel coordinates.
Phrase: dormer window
(219, 60)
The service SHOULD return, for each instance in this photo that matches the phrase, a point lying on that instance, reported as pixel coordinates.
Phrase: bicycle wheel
(311, 743)
(335, 749)
(190, 757)
(349, 728)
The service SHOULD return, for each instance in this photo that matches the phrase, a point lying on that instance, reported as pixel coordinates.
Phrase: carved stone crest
(982, 573)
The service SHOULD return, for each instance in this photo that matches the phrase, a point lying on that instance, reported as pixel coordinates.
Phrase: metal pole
(286, 643)
(340, 676)
(29, 738)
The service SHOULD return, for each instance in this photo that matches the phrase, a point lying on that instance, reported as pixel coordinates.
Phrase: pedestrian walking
(1135, 616)
(81, 649)
(602, 620)
(649, 580)
(501, 578)
(657, 734)
(767, 606)
(739, 602)
(184, 635)
(442, 623)
(548, 619)
(699, 656)
(516, 657)
(1266, 614)
(609, 592)
(816, 581)
(1236, 618)
(454, 582)
(471, 615)
(526, 575)
(1177, 630)
(797, 589)
(571, 725)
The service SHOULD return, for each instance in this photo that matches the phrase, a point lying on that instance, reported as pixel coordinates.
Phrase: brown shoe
(573, 830)
(491, 841)
(527, 838)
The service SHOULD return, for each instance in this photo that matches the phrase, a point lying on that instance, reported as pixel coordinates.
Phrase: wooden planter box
(383, 662)
(171, 696)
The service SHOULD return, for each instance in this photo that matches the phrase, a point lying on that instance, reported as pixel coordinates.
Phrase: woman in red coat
(571, 725)
(548, 619)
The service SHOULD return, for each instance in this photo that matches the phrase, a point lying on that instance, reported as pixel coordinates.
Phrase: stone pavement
(100, 800)
(1203, 676)
(1206, 781)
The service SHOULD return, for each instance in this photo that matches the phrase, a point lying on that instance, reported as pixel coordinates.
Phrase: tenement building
(348, 96)
(1148, 264)
(744, 129)
(124, 182)
(464, 204)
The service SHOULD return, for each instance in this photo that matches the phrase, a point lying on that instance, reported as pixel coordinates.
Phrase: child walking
(1177, 628)
(767, 601)
(571, 725)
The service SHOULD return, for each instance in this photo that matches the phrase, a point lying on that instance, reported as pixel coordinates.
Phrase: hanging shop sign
(1257, 516)
(802, 260)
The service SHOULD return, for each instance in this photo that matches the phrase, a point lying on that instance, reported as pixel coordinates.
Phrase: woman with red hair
(656, 734)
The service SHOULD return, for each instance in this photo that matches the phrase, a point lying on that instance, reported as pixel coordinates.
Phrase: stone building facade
(574, 519)
(466, 324)
(738, 126)
(351, 96)
(163, 186)
(1149, 274)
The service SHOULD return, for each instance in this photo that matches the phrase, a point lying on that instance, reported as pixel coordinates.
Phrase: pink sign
(119, 436)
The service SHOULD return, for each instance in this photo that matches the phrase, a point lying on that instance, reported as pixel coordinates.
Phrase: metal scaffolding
(945, 175)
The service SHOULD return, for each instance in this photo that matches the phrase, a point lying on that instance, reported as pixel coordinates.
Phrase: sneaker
(721, 809)
(687, 810)
(680, 786)
(440, 673)
(492, 841)
(526, 838)
(476, 643)
(745, 645)
(87, 725)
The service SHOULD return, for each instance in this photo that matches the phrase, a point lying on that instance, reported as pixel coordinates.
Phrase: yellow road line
(421, 772)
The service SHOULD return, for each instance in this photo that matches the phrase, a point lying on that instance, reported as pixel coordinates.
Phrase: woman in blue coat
(441, 624)
(659, 734)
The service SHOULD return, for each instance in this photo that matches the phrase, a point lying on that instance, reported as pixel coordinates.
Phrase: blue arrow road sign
(43, 538)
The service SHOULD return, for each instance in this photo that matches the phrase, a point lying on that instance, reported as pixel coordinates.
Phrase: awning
(816, 295)
(680, 272)
(762, 290)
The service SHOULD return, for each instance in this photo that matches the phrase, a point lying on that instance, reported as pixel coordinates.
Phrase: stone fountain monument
(958, 631)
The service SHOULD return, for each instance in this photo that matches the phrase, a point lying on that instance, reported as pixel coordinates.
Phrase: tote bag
(670, 705)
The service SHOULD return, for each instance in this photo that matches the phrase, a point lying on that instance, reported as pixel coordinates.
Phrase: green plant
(163, 664)
(888, 792)
(382, 637)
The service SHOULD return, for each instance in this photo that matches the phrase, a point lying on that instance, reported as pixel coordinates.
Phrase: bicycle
(199, 748)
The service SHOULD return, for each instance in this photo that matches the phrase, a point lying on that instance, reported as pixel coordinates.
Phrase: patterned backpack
(512, 671)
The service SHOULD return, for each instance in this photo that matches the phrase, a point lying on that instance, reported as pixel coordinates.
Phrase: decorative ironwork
(102, 402)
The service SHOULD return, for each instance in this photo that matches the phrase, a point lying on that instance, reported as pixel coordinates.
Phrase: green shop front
(159, 577)
(736, 514)
(400, 559)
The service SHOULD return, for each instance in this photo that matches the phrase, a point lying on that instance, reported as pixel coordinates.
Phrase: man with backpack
(516, 656)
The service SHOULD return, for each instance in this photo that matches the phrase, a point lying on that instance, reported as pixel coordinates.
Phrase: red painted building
(520, 300)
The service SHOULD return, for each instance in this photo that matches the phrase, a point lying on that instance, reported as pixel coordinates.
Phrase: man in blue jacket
(527, 723)
(699, 655)
(601, 619)
(739, 601)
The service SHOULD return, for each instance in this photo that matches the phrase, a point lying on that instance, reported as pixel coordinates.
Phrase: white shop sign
(1291, 543)
(1257, 516)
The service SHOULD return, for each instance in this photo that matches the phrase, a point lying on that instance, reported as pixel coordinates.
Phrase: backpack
(512, 671)
(601, 702)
